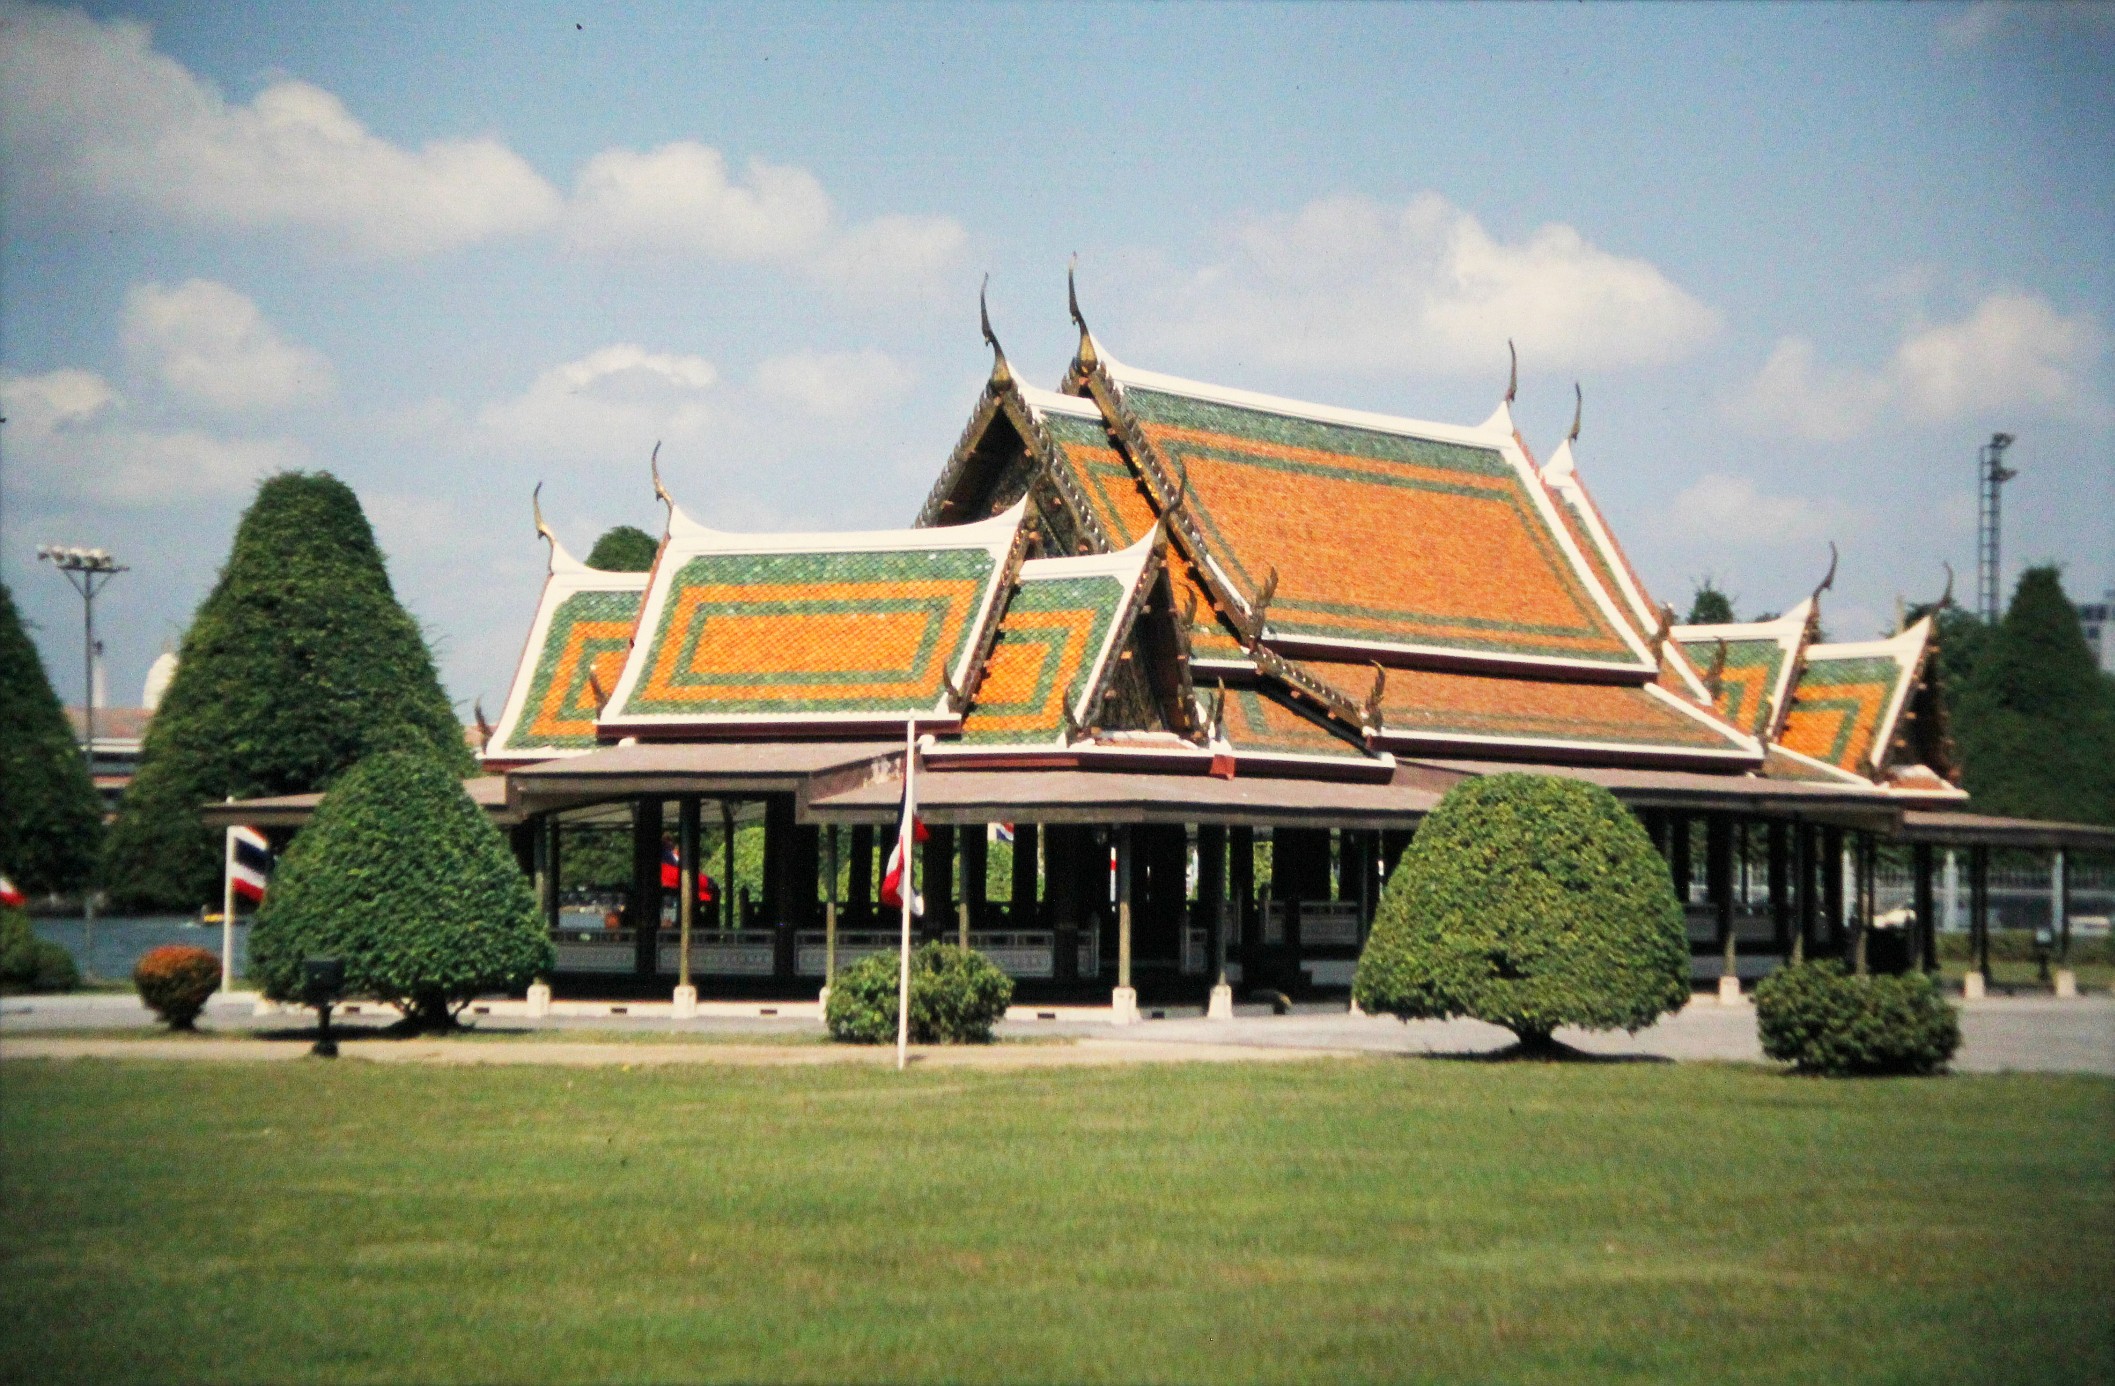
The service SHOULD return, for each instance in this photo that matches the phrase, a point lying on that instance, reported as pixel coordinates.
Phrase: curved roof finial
(1000, 371)
(1512, 384)
(1578, 412)
(653, 465)
(1946, 597)
(544, 530)
(1072, 304)
(1828, 581)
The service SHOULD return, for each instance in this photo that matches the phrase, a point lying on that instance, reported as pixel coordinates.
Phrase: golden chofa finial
(1512, 384)
(653, 465)
(536, 508)
(1828, 581)
(1578, 412)
(1946, 597)
(1001, 373)
(1072, 304)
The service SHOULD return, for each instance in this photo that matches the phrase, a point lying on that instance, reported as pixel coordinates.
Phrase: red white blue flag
(11, 894)
(249, 862)
(912, 830)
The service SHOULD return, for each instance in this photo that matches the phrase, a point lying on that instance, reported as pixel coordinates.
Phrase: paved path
(2036, 1034)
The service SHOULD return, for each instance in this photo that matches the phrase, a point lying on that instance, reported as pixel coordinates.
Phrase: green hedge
(405, 879)
(1822, 1019)
(957, 995)
(29, 963)
(1530, 902)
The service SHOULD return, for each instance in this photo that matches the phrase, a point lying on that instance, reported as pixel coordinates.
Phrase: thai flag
(912, 830)
(11, 894)
(1000, 832)
(249, 862)
(672, 875)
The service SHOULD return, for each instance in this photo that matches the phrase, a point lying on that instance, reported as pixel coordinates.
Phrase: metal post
(1979, 907)
(1991, 476)
(227, 910)
(1927, 921)
(2060, 904)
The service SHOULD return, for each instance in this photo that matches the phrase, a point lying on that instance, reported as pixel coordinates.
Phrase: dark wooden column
(1066, 847)
(859, 890)
(802, 904)
(643, 907)
(553, 865)
(1678, 855)
(687, 851)
(1393, 844)
(1777, 849)
(778, 827)
(1718, 884)
(1211, 896)
(1804, 845)
(1160, 886)
(1832, 887)
(522, 839)
(727, 896)
(1241, 890)
(976, 872)
(1926, 908)
(1022, 913)
(1979, 908)
(937, 881)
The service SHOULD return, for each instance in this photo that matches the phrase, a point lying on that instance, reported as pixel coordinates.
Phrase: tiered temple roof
(1145, 572)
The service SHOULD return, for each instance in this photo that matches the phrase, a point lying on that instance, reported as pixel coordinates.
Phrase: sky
(1800, 260)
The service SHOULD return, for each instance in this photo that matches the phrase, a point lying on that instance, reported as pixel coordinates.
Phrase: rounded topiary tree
(957, 995)
(404, 878)
(624, 549)
(1530, 902)
(175, 981)
(299, 663)
(51, 822)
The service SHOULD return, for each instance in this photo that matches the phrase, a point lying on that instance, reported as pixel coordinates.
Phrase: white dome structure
(158, 675)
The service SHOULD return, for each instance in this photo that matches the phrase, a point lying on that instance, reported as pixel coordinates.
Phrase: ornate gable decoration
(1754, 664)
(845, 634)
(1849, 700)
(1406, 542)
(575, 653)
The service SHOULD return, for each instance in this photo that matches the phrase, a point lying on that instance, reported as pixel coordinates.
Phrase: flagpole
(227, 911)
(907, 848)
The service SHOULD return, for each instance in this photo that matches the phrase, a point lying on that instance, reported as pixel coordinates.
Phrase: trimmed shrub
(957, 995)
(175, 980)
(404, 878)
(51, 821)
(1530, 902)
(299, 664)
(1821, 1019)
(29, 963)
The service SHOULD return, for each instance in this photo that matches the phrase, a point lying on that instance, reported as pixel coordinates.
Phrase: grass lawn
(1383, 1218)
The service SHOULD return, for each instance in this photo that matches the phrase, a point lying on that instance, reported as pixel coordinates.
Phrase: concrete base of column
(1356, 1008)
(1729, 991)
(822, 998)
(1221, 1006)
(2066, 983)
(539, 998)
(264, 1007)
(1123, 1006)
(686, 1003)
(1972, 987)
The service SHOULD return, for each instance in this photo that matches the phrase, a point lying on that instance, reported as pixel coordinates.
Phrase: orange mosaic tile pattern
(1837, 707)
(1379, 537)
(1053, 631)
(1258, 721)
(584, 649)
(819, 632)
(1113, 491)
(1428, 703)
(1748, 682)
(1597, 562)
(1209, 637)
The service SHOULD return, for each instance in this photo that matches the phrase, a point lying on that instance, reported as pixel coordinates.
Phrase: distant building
(2099, 620)
(119, 731)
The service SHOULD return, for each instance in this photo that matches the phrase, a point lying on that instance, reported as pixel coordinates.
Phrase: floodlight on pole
(90, 571)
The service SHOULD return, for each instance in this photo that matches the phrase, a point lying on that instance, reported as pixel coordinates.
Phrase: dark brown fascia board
(942, 492)
(1612, 757)
(847, 729)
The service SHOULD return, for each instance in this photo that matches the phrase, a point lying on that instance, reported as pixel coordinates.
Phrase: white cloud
(72, 438)
(680, 200)
(93, 111)
(2013, 351)
(834, 385)
(210, 344)
(1348, 283)
(611, 405)
(1732, 512)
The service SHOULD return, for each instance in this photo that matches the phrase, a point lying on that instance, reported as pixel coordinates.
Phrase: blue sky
(1801, 259)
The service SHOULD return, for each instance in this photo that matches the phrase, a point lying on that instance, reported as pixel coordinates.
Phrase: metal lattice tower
(1991, 476)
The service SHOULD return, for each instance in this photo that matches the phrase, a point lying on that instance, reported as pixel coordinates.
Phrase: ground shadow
(1555, 1052)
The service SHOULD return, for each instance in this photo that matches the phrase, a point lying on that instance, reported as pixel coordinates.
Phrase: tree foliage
(29, 963)
(624, 549)
(1530, 902)
(1821, 1019)
(51, 821)
(299, 663)
(1709, 606)
(957, 995)
(2035, 723)
(404, 878)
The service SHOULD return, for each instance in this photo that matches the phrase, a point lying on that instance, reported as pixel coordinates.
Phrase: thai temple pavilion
(1209, 656)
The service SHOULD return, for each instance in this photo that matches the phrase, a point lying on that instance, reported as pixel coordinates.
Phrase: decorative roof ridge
(1903, 642)
(559, 560)
(1127, 563)
(987, 533)
(1820, 766)
(1051, 402)
(1909, 649)
(1791, 624)
(989, 403)
(1479, 435)
(1710, 717)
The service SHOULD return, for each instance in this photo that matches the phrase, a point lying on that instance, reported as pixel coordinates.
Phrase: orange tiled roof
(1762, 660)
(1057, 643)
(576, 649)
(1849, 700)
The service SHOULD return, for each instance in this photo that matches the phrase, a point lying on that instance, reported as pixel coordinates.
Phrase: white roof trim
(559, 585)
(1836, 771)
(1126, 565)
(1050, 402)
(1790, 626)
(1907, 650)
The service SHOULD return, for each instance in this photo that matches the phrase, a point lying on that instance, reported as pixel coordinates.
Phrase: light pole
(90, 571)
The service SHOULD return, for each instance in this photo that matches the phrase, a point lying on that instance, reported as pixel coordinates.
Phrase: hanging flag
(892, 879)
(672, 874)
(1000, 832)
(249, 862)
(11, 894)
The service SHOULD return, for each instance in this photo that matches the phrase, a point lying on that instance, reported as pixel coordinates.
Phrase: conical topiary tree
(51, 821)
(2035, 723)
(1709, 606)
(1530, 902)
(298, 663)
(402, 877)
(625, 549)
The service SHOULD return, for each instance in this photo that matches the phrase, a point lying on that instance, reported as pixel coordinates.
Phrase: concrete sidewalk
(2025, 1034)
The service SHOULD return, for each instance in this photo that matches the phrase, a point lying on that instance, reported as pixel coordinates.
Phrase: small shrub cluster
(29, 963)
(957, 995)
(1530, 902)
(1821, 1019)
(175, 980)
